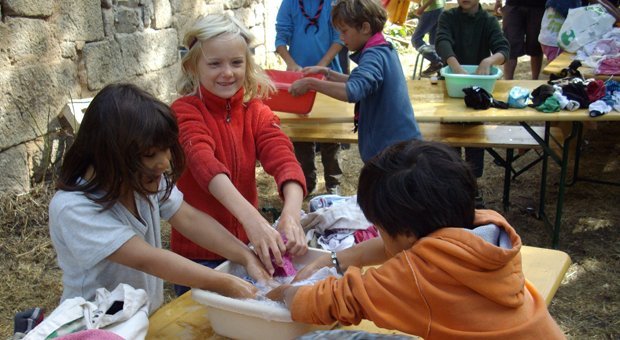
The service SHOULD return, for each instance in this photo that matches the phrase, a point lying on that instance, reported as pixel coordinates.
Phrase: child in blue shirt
(377, 85)
(305, 37)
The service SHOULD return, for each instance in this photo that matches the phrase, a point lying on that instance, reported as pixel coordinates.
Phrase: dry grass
(585, 306)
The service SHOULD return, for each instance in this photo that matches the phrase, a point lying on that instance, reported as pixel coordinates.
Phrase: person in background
(116, 182)
(428, 13)
(305, 37)
(467, 35)
(521, 25)
(444, 270)
(224, 129)
(377, 85)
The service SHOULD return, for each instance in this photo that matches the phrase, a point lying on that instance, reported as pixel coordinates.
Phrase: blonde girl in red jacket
(224, 129)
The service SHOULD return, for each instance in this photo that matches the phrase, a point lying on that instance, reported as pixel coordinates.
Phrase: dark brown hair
(120, 125)
(415, 187)
(354, 13)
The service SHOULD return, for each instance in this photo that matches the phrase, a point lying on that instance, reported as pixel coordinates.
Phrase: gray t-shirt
(84, 236)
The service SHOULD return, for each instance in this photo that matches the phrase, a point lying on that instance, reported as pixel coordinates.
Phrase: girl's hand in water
(237, 288)
(284, 293)
(313, 267)
(254, 267)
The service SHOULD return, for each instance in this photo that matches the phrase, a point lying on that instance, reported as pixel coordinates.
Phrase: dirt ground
(586, 305)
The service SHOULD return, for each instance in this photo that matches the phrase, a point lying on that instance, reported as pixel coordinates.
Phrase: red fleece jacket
(228, 136)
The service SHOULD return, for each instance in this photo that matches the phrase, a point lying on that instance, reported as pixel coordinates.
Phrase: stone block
(163, 14)
(148, 12)
(235, 4)
(128, 20)
(28, 8)
(246, 16)
(68, 50)
(104, 63)
(147, 51)
(33, 96)
(161, 83)
(15, 174)
(80, 20)
(26, 41)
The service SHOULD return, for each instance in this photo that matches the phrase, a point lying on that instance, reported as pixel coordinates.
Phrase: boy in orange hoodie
(447, 270)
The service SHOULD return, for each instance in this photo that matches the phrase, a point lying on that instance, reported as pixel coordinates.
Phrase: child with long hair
(116, 182)
(224, 129)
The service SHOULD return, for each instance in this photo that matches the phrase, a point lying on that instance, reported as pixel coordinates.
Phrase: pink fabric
(376, 40)
(91, 334)
(610, 65)
(367, 234)
(287, 268)
(551, 52)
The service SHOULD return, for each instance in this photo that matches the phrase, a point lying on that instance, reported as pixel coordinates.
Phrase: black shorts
(521, 26)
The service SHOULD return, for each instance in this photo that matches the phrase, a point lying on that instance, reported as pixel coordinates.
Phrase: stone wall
(51, 51)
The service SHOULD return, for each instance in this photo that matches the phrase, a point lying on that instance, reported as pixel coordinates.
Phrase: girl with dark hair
(116, 182)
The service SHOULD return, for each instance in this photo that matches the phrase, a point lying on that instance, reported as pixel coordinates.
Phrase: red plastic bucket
(282, 100)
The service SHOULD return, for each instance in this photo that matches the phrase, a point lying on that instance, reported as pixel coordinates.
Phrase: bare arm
(455, 65)
(289, 223)
(260, 232)
(334, 89)
(291, 64)
(368, 253)
(139, 255)
(331, 53)
(484, 68)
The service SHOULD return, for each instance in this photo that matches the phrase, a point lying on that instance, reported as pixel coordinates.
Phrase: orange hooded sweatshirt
(451, 284)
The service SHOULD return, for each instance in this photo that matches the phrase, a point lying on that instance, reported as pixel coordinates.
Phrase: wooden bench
(183, 318)
(487, 136)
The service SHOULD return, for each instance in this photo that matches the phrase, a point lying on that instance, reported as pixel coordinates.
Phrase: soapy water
(264, 288)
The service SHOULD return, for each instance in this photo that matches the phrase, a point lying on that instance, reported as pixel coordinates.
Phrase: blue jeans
(180, 290)
(427, 24)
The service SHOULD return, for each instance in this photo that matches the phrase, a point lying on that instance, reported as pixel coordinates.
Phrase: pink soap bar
(287, 269)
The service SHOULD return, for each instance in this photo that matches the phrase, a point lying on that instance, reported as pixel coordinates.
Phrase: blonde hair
(256, 83)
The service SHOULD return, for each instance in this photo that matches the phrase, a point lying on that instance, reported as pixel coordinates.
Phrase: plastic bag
(124, 311)
(583, 25)
(550, 27)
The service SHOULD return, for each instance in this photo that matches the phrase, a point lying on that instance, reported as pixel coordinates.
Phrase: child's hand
(459, 70)
(294, 68)
(300, 87)
(296, 239)
(308, 70)
(264, 238)
(313, 267)
(256, 270)
(278, 294)
(484, 68)
(238, 288)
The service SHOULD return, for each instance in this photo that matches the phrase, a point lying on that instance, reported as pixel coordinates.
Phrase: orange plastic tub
(282, 100)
